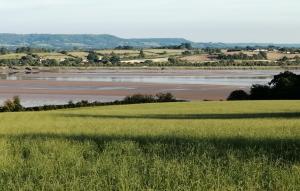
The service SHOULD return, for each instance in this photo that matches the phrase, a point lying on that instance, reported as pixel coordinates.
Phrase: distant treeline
(27, 50)
(241, 56)
(284, 86)
(181, 46)
(96, 59)
(14, 104)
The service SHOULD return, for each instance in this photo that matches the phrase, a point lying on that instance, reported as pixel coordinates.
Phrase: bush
(139, 98)
(13, 105)
(165, 97)
(238, 95)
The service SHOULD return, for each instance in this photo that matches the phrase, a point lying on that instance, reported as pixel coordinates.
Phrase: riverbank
(24, 69)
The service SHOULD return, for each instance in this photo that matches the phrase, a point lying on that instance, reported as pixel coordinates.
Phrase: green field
(173, 146)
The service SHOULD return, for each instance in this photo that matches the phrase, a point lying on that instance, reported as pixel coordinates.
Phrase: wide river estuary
(108, 85)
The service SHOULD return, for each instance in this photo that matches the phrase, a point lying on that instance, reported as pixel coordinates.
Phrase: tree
(13, 105)
(142, 54)
(93, 56)
(260, 92)
(17, 103)
(105, 59)
(173, 60)
(30, 59)
(186, 53)
(286, 85)
(165, 97)
(114, 59)
(264, 55)
(64, 52)
(284, 59)
(3, 51)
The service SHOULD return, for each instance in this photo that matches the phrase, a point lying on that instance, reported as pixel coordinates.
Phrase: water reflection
(235, 80)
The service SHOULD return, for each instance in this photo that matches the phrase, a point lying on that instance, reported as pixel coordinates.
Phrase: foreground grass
(176, 146)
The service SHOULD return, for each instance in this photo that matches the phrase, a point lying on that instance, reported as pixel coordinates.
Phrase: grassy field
(173, 146)
(12, 56)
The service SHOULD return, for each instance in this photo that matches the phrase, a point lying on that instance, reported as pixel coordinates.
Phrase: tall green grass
(174, 146)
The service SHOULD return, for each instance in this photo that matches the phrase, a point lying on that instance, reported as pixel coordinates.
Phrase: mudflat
(45, 87)
(109, 85)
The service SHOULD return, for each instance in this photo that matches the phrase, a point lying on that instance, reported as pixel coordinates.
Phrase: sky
(269, 21)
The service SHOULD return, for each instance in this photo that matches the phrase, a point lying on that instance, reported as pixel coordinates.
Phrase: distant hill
(102, 41)
(84, 41)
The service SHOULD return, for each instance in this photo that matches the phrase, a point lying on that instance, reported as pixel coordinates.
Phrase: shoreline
(23, 69)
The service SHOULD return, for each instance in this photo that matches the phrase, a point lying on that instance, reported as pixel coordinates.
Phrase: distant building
(85, 61)
(261, 50)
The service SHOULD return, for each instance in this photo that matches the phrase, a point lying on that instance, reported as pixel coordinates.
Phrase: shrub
(260, 92)
(165, 97)
(13, 105)
(17, 103)
(238, 95)
(139, 98)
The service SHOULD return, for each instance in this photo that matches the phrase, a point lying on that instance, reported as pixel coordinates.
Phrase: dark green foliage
(124, 48)
(186, 45)
(211, 50)
(165, 97)
(71, 62)
(93, 56)
(50, 62)
(260, 92)
(284, 86)
(173, 60)
(142, 54)
(29, 50)
(30, 59)
(186, 53)
(140, 98)
(13, 105)
(238, 95)
(3, 51)
(114, 58)
(263, 55)
(242, 56)
(64, 52)
(148, 62)
(284, 59)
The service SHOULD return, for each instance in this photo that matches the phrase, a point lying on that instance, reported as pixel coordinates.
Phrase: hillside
(84, 41)
(174, 146)
(104, 41)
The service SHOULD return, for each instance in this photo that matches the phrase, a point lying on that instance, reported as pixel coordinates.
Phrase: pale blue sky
(198, 20)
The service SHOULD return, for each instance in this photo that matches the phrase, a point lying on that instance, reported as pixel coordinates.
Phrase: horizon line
(117, 36)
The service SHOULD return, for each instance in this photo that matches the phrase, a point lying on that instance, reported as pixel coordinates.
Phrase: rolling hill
(105, 41)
